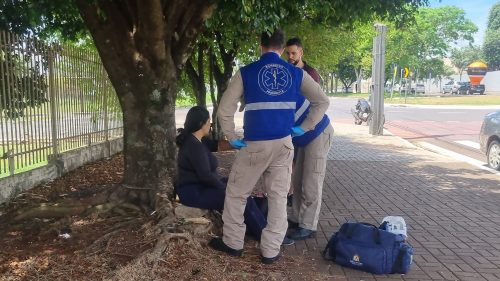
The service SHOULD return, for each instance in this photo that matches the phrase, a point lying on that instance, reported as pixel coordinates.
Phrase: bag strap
(325, 253)
(398, 264)
(376, 234)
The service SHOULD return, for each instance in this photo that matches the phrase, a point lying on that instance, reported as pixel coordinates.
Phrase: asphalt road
(450, 128)
(453, 128)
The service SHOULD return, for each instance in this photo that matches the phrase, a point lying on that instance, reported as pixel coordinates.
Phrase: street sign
(407, 72)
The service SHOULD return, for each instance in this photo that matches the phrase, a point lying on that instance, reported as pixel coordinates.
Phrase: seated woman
(198, 184)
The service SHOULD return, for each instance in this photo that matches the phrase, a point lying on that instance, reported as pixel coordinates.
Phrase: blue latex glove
(238, 144)
(297, 131)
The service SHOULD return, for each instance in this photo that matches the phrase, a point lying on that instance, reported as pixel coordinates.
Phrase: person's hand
(297, 131)
(224, 145)
(238, 144)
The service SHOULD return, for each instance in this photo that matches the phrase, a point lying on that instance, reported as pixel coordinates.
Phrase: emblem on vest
(274, 79)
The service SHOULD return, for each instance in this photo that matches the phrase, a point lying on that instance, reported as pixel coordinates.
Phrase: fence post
(55, 157)
(106, 118)
(53, 105)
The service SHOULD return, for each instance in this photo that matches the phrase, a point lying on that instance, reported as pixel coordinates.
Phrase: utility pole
(378, 74)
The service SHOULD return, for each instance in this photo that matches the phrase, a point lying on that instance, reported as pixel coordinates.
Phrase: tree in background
(462, 57)
(422, 45)
(329, 49)
(323, 46)
(491, 47)
(345, 72)
(22, 77)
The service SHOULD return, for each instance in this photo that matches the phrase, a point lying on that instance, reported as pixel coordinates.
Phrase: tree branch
(191, 72)
(201, 60)
(189, 28)
(103, 32)
(150, 30)
(173, 10)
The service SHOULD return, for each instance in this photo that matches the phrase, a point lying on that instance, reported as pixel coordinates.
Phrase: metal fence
(53, 98)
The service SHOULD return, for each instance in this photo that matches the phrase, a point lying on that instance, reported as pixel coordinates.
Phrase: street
(438, 128)
(442, 129)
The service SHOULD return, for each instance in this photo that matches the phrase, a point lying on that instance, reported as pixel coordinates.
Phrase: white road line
(468, 143)
(457, 156)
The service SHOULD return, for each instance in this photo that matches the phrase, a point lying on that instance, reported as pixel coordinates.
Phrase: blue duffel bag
(366, 247)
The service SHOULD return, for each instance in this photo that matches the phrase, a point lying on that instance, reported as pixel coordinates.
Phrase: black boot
(219, 245)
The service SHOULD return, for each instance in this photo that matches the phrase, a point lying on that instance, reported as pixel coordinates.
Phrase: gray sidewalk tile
(452, 209)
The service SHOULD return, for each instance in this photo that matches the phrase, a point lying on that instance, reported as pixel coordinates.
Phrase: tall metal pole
(378, 74)
(401, 80)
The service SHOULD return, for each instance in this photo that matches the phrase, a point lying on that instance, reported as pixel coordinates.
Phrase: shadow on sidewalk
(452, 209)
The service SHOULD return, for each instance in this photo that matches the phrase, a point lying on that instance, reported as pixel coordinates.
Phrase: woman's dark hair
(196, 117)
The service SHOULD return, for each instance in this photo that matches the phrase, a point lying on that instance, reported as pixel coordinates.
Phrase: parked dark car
(463, 88)
(476, 89)
(489, 139)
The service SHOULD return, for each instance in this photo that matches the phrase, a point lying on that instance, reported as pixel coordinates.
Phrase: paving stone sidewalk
(452, 209)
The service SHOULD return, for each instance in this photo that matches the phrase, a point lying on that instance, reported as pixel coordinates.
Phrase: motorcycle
(362, 112)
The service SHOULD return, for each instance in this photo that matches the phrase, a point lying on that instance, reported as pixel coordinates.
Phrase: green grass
(189, 101)
(445, 100)
(23, 162)
(348, 95)
(31, 160)
(429, 100)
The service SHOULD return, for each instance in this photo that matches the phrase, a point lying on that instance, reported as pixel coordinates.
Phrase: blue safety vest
(303, 107)
(271, 89)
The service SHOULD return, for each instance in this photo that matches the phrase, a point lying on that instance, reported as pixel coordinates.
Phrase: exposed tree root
(51, 211)
(147, 265)
(165, 231)
(119, 199)
(97, 246)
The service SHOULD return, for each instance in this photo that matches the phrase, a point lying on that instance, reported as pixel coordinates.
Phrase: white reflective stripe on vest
(269, 105)
(302, 109)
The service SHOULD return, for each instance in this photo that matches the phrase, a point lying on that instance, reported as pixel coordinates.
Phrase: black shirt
(197, 165)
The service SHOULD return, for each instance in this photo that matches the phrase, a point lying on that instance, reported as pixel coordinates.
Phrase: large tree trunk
(149, 146)
(143, 47)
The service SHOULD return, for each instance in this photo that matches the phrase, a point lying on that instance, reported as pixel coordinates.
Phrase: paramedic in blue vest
(270, 88)
(311, 150)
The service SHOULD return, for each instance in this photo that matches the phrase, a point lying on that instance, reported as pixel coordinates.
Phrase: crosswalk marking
(468, 143)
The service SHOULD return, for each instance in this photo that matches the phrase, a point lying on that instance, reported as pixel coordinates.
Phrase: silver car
(489, 139)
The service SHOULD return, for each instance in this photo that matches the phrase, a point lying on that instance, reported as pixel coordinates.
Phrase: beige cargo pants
(307, 180)
(271, 159)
